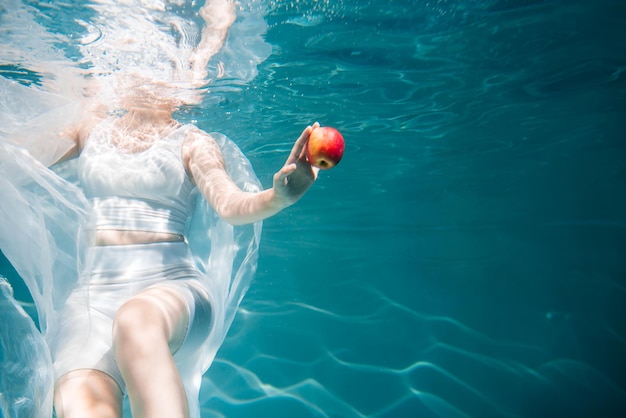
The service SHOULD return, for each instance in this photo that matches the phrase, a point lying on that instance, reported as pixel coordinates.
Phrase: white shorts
(84, 339)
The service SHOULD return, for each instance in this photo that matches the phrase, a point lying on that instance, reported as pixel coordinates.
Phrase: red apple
(325, 147)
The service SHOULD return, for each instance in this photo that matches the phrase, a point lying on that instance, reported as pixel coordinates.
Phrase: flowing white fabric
(43, 233)
(44, 215)
(25, 366)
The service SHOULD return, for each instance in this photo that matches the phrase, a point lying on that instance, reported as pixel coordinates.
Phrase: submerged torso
(138, 196)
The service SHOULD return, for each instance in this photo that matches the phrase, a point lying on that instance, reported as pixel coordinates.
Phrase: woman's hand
(297, 175)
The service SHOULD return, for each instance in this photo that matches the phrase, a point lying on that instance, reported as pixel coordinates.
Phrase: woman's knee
(154, 317)
(87, 393)
(137, 323)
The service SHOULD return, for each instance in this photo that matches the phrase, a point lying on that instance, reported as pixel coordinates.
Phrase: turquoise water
(466, 258)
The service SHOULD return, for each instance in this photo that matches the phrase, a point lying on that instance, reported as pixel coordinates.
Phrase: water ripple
(452, 369)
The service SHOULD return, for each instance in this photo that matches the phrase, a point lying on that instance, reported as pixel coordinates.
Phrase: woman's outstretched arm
(218, 17)
(205, 164)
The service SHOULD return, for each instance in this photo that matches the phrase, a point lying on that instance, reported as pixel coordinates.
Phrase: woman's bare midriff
(121, 237)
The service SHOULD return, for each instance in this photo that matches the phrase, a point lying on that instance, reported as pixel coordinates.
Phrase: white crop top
(140, 191)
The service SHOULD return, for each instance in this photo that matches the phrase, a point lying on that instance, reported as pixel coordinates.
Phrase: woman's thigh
(158, 311)
(148, 328)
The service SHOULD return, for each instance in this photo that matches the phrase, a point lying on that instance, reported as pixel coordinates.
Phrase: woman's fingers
(284, 172)
(299, 146)
(298, 152)
(315, 170)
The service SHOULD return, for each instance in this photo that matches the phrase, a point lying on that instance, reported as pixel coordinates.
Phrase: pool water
(467, 256)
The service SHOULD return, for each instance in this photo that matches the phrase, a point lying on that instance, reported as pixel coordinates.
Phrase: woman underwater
(139, 316)
(145, 298)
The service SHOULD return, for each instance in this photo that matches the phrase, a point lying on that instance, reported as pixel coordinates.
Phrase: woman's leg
(146, 330)
(87, 393)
